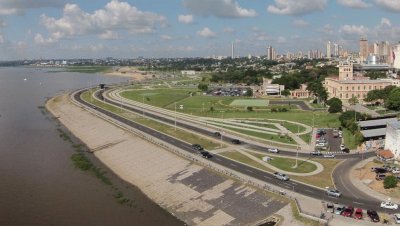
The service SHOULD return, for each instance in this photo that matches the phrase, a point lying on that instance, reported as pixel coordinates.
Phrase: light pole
(175, 116)
(203, 107)
(143, 105)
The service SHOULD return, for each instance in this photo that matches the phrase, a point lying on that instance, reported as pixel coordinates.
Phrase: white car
(389, 205)
(281, 176)
(397, 218)
(329, 155)
(396, 170)
(340, 132)
(342, 147)
(320, 145)
(273, 150)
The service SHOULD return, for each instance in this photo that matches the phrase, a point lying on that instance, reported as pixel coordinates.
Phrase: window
(352, 88)
(358, 87)
(340, 96)
(364, 87)
(347, 95)
(340, 88)
(347, 88)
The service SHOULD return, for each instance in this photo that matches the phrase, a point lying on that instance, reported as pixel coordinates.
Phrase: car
(396, 218)
(380, 176)
(348, 212)
(235, 141)
(329, 155)
(380, 170)
(317, 153)
(342, 147)
(358, 214)
(273, 150)
(396, 170)
(340, 132)
(281, 176)
(330, 208)
(340, 135)
(206, 154)
(389, 205)
(320, 145)
(346, 150)
(373, 215)
(333, 192)
(217, 134)
(197, 147)
(317, 136)
(339, 210)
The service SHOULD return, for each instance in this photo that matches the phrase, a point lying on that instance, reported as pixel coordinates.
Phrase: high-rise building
(328, 50)
(363, 49)
(233, 50)
(271, 53)
(336, 49)
(396, 56)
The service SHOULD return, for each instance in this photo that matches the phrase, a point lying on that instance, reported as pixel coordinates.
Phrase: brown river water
(39, 184)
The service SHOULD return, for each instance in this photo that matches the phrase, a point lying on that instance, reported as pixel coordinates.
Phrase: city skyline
(188, 28)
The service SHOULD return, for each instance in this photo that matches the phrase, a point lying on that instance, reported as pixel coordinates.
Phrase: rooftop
(360, 81)
(377, 122)
(374, 133)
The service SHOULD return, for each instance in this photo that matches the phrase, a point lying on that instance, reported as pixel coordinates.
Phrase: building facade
(364, 49)
(392, 140)
(346, 85)
(301, 93)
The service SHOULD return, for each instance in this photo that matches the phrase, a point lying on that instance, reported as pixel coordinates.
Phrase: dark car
(380, 176)
(197, 147)
(217, 134)
(346, 150)
(358, 214)
(316, 153)
(380, 170)
(373, 215)
(348, 212)
(206, 154)
(235, 141)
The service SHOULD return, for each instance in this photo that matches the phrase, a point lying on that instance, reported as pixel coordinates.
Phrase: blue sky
(188, 28)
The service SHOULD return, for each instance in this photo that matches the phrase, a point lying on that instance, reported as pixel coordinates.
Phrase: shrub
(390, 182)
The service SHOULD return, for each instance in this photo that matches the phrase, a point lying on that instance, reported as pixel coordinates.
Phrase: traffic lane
(334, 143)
(261, 175)
(224, 138)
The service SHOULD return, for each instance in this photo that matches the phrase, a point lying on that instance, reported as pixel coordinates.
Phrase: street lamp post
(143, 105)
(175, 116)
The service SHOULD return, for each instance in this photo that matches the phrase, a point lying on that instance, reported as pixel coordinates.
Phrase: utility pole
(175, 116)
(143, 105)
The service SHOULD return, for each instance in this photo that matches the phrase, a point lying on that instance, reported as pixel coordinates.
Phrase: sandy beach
(131, 72)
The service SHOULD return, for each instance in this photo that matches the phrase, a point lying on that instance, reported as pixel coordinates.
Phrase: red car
(348, 212)
(358, 214)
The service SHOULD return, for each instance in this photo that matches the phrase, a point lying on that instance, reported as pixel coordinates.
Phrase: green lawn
(287, 164)
(244, 159)
(88, 69)
(306, 137)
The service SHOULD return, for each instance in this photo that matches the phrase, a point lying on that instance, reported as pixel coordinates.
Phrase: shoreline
(176, 184)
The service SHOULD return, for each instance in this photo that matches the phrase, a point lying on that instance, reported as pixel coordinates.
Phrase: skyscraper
(233, 50)
(328, 50)
(271, 54)
(336, 49)
(363, 49)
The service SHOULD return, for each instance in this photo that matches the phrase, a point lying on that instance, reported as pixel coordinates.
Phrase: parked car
(348, 212)
(333, 192)
(281, 176)
(380, 170)
(346, 150)
(197, 147)
(397, 218)
(342, 147)
(273, 150)
(396, 170)
(329, 155)
(389, 205)
(380, 176)
(339, 210)
(373, 215)
(235, 141)
(217, 134)
(330, 208)
(320, 145)
(316, 153)
(358, 214)
(206, 154)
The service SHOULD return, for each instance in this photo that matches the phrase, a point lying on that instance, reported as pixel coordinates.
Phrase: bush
(249, 108)
(390, 182)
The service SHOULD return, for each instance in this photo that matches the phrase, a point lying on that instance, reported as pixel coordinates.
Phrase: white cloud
(300, 23)
(353, 30)
(2, 23)
(357, 4)
(206, 33)
(391, 5)
(218, 8)
(2, 39)
(166, 37)
(385, 22)
(229, 30)
(109, 35)
(9, 7)
(185, 19)
(115, 16)
(296, 7)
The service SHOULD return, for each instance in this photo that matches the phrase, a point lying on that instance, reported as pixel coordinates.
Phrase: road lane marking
(249, 171)
(359, 203)
(308, 190)
(232, 164)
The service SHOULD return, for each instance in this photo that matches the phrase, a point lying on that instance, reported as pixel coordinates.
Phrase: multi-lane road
(348, 198)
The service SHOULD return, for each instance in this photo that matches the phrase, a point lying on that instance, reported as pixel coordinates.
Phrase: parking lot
(332, 143)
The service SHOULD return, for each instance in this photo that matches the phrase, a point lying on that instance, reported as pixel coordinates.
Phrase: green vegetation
(88, 69)
(392, 102)
(286, 164)
(306, 137)
(390, 182)
(335, 105)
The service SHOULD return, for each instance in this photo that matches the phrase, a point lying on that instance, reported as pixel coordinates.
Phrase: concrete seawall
(194, 194)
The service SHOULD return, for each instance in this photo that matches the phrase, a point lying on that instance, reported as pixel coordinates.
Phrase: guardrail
(201, 161)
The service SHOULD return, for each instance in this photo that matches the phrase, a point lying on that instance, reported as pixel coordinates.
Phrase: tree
(392, 102)
(353, 100)
(285, 92)
(335, 105)
(349, 116)
(249, 92)
(203, 87)
(390, 182)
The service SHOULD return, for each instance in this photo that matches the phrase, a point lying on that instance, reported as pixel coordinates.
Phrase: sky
(34, 29)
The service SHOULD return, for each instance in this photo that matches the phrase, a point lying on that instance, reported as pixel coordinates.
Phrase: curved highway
(304, 189)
